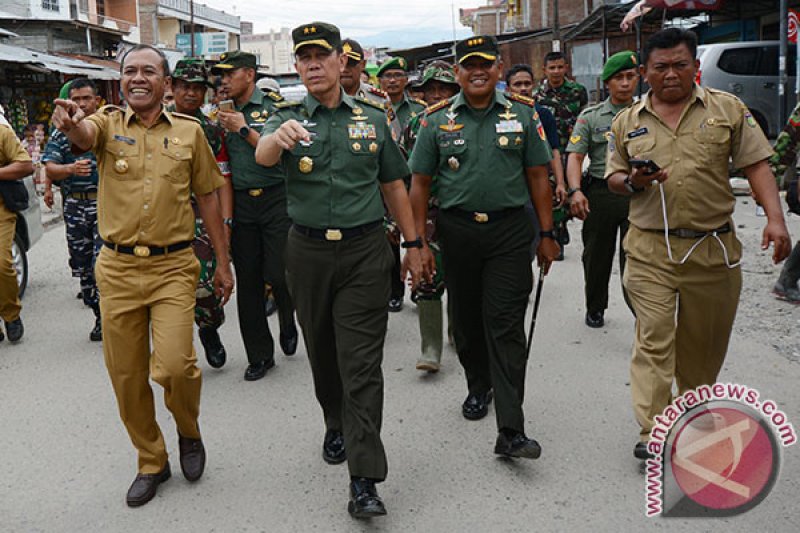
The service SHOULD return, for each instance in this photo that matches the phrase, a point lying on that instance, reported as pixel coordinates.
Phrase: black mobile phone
(650, 167)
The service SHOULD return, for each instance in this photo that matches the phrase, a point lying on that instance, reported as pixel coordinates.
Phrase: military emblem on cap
(352, 50)
(484, 46)
(318, 34)
(395, 63)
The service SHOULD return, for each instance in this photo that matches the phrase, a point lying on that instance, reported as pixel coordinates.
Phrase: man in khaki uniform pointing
(683, 276)
(150, 162)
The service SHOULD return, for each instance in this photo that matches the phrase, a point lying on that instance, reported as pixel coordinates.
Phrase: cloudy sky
(395, 23)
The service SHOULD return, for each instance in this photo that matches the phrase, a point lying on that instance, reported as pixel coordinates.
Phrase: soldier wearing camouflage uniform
(77, 175)
(190, 82)
(786, 154)
(565, 99)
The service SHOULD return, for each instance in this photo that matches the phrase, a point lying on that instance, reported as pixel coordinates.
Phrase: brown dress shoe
(193, 457)
(144, 487)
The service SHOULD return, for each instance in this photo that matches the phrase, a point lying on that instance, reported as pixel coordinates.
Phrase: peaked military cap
(395, 63)
(191, 70)
(620, 61)
(235, 59)
(352, 50)
(437, 71)
(317, 33)
(484, 46)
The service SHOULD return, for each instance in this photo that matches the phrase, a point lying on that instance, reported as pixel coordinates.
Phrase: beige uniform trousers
(9, 290)
(684, 316)
(143, 297)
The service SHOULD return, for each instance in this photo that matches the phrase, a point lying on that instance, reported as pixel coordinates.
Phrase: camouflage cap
(352, 50)
(484, 46)
(317, 33)
(235, 59)
(191, 70)
(620, 61)
(395, 63)
(437, 72)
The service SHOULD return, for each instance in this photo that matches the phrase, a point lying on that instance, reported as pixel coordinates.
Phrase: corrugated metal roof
(64, 65)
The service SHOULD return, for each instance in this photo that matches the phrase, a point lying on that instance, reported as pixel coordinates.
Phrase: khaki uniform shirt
(714, 127)
(148, 174)
(479, 156)
(333, 181)
(591, 133)
(11, 149)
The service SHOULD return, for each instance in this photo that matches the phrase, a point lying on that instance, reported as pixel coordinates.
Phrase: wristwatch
(228, 222)
(630, 186)
(572, 191)
(547, 234)
(244, 131)
(416, 243)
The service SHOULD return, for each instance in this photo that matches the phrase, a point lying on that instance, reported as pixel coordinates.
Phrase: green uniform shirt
(247, 174)
(591, 133)
(333, 181)
(406, 109)
(480, 155)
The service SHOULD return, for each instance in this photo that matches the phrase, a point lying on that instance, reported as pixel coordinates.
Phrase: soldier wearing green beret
(604, 213)
(489, 154)
(260, 221)
(340, 159)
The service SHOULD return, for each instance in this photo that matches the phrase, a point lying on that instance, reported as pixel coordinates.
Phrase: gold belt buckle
(141, 251)
(255, 192)
(481, 218)
(333, 235)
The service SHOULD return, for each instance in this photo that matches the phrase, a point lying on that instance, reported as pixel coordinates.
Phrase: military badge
(503, 141)
(540, 130)
(453, 163)
(121, 166)
(255, 114)
(508, 126)
(361, 131)
(358, 114)
(357, 147)
(575, 139)
(748, 116)
(507, 114)
(518, 140)
(451, 122)
(373, 147)
(305, 165)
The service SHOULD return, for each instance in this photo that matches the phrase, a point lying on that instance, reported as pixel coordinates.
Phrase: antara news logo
(715, 452)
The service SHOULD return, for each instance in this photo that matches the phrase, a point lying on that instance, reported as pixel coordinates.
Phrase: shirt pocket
(175, 164)
(123, 161)
(714, 140)
(642, 147)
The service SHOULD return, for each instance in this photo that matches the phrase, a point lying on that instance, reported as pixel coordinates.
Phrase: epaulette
(284, 104)
(521, 99)
(436, 107)
(418, 101)
(108, 109)
(376, 105)
(189, 117)
(275, 96)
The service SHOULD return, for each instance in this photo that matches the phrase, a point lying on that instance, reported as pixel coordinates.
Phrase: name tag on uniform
(508, 126)
(602, 130)
(361, 130)
(126, 140)
(638, 133)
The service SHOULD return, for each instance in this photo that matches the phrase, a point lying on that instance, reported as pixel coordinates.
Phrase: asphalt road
(66, 460)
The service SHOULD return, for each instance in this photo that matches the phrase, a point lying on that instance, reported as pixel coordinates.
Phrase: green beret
(235, 59)
(624, 60)
(484, 46)
(395, 63)
(191, 70)
(437, 72)
(317, 33)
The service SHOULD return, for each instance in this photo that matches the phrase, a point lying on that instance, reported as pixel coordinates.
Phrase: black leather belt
(333, 234)
(682, 233)
(82, 195)
(141, 250)
(482, 217)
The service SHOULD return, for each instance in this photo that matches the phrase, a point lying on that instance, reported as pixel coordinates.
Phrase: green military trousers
(608, 217)
(341, 292)
(488, 281)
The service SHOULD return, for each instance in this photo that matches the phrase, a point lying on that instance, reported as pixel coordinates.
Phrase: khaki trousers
(143, 297)
(10, 305)
(684, 316)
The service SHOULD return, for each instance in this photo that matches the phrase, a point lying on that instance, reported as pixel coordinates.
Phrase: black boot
(96, 334)
(215, 351)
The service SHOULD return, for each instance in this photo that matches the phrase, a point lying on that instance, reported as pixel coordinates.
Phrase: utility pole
(556, 28)
(784, 48)
(191, 24)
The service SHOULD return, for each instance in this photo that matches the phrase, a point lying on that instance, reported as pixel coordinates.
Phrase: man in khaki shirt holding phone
(683, 276)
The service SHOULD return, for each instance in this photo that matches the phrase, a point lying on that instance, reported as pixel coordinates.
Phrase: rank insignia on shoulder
(187, 117)
(287, 103)
(418, 101)
(376, 91)
(575, 139)
(371, 103)
(521, 99)
(436, 107)
(275, 96)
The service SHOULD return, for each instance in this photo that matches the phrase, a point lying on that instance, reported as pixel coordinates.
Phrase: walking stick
(536, 307)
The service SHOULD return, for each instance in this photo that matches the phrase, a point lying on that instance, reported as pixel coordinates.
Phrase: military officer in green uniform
(393, 77)
(340, 159)
(260, 221)
(604, 213)
(489, 154)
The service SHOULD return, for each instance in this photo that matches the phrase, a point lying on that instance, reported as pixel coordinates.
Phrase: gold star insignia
(305, 30)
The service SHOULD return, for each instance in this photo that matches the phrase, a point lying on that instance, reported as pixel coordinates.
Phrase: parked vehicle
(29, 231)
(750, 71)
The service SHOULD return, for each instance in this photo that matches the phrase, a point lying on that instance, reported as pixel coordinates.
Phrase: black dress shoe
(333, 451)
(594, 319)
(517, 445)
(215, 351)
(144, 487)
(364, 499)
(193, 457)
(395, 305)
(476, 406)
(270, 306)
(640, 451)
(288, 341)
(15, 329)
(256, 371)
(96, 334)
